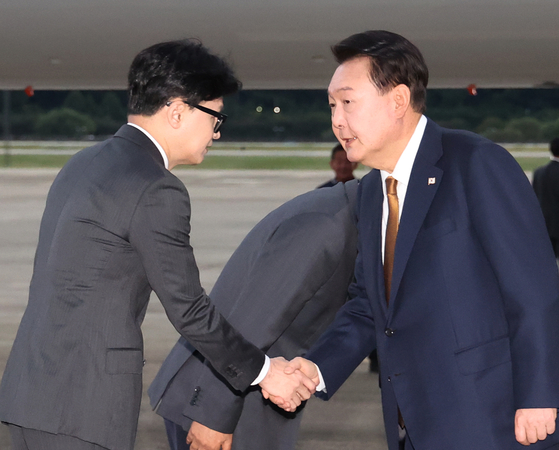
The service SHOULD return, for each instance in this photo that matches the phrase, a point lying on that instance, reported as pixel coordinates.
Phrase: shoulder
(468, 150)
(329, 183)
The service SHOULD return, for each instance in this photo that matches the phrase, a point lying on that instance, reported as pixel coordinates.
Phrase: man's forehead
(350, 76)
(334, 90)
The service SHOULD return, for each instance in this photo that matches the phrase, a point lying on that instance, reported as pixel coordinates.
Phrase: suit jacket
(470, 333)
(546, 185)
(281, 288)
(116, 225)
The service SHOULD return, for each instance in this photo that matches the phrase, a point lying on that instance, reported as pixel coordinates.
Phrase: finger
(541, 432)
(295, 401)
(292, 366)
(309, 384)
(531, 435)
(291, 405)
(278, 401)
(265, 394)
(303, 394)
(227, 445)
(520, 433)
(550, 426)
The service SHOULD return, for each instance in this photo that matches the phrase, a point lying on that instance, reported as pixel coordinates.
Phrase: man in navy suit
(466, 323)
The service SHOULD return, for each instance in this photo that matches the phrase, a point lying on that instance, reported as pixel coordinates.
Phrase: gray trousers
(28, 439)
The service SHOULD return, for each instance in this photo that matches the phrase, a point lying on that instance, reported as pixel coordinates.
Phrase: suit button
(389, 379)
(389, 332)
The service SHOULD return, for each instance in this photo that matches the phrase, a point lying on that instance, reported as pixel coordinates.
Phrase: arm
(510, 226)
(348, 340)
(159, 232)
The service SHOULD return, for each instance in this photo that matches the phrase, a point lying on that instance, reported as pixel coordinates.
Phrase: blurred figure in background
(546, 185)
(342, 167)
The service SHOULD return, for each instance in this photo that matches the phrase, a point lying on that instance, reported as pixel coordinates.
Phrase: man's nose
(338, 120)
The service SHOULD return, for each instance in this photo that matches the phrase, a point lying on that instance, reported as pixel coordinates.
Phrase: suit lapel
(424, 182)
(371, 222)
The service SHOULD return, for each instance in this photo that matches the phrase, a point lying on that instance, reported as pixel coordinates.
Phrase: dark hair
(554, 147)
(184, 69)
(394, 61)
(336, 149)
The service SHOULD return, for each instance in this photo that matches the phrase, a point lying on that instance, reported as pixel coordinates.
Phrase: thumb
(292, 366)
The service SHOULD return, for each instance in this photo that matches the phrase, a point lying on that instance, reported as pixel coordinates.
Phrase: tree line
(503, 115)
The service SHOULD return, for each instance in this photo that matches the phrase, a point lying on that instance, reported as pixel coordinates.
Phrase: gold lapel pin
(431, 181)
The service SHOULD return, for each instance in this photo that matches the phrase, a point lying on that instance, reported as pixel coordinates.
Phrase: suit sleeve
(159, 232)
(350, 337)
(509, 223)
(295, 262)
(348, 340)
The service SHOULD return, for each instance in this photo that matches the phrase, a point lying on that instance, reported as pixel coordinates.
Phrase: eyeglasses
(221, 118)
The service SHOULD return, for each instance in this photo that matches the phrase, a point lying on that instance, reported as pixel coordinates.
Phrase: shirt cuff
(321, 385)
(263, 372)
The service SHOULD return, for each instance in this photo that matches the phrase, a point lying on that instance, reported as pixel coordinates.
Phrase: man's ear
(401, 97)
(176, 113)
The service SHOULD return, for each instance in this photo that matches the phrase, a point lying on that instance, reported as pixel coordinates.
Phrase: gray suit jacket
(116, 225)
(281, 288)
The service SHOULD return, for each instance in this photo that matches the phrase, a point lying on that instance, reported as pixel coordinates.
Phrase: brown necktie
(390, 245)
(391, 233)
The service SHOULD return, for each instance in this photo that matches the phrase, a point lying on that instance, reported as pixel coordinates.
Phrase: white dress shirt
(401, 173)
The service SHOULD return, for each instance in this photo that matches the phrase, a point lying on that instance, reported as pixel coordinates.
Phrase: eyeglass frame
(221, 118)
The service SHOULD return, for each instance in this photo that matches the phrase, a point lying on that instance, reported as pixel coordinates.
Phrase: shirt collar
(163, 154)
(402, 171)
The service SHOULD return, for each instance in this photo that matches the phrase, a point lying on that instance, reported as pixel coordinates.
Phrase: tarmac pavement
(225, 206)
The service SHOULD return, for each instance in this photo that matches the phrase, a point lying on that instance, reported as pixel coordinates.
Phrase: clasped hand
(287, 384)
(534, 424)
(201, 437)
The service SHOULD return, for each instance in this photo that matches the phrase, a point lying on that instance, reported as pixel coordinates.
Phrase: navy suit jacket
(470, 334)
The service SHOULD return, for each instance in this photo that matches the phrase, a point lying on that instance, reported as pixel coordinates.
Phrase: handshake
(288, 383)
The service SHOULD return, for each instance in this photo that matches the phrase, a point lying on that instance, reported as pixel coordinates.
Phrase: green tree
(550, 130)
(64, 122)
(80, 102)
(528, 127)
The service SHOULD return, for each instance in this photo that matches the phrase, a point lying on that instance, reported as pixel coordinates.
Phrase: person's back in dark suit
(280, 288)
(546, 186)
(116, 226)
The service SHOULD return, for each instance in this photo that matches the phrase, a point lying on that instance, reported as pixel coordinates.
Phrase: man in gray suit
(281, 288)
(115, 227)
